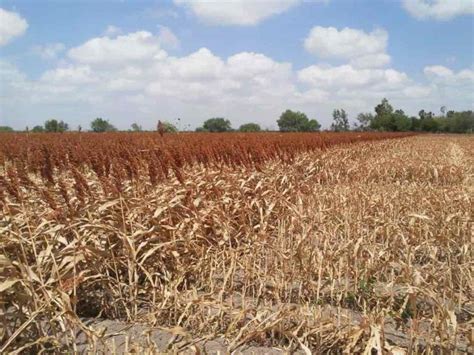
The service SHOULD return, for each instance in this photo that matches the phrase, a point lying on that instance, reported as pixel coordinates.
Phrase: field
(328, 242)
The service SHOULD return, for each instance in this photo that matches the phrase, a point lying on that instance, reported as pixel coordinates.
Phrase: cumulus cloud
(438, 9)
(10, 77)
(131, 75)
(236, 12)
(329, 42)
(133, 47)
(200, 65)
(100, 72)
(364, 50)
(417, 91)
(70, 75)
(348, 76)
(49, 51)
(12, 25)
(376, 60)
(442, 75)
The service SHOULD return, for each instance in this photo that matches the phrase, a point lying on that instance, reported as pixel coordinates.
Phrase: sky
(245, 60)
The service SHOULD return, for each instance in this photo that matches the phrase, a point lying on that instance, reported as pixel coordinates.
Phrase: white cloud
(438, 9)
(11, 25)
(49, 51)
(348, 43)
(195, 85)
(377, 60)
(236, 12)
(73, 74)
(417, 91)
(204, 78)
(442, 75)
(249, 65)
(349, 77)
(438, 71)
(134, 47)
(10, 77)
(167, 38)
(132, 76)
(200, 65)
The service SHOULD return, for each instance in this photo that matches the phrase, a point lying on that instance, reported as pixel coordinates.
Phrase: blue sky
(140, 61)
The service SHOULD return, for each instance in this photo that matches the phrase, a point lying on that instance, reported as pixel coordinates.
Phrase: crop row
(114, 159)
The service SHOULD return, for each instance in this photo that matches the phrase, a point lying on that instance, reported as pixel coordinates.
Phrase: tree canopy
(216, 124)
(55, 126)
(169, 127)
(296, 121)
(38, 129)
(101, 125)
(388, 119)
(385, 118)
(250, 127)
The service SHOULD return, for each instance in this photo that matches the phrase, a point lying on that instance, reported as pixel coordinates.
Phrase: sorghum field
(267, 242)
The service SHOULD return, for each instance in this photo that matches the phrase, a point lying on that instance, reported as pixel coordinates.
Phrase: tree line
(97, 125)
(384, 118)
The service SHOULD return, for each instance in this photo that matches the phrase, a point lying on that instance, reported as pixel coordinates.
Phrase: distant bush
(217, 124)
(38, 129)
(55, 126)
(169, 127)
(295, 121)
(250, 127)
(101, 125)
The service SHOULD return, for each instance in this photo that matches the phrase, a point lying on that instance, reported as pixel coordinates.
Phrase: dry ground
(357, 248)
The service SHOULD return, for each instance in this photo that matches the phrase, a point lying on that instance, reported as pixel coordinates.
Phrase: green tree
(442, 122)
(415, 124)
(400, 121)
(101, 125)
(216, 124)
(63, 127)
(295, 121)
(312, 126)
(38, 129)
(169, 127)
(425, 115)
(461, 122)
(250, 127)
(6, 129)
(429, 124)
(341, 121)
(384, 108)
(383, 117)
(51, 126)
(55, 126)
